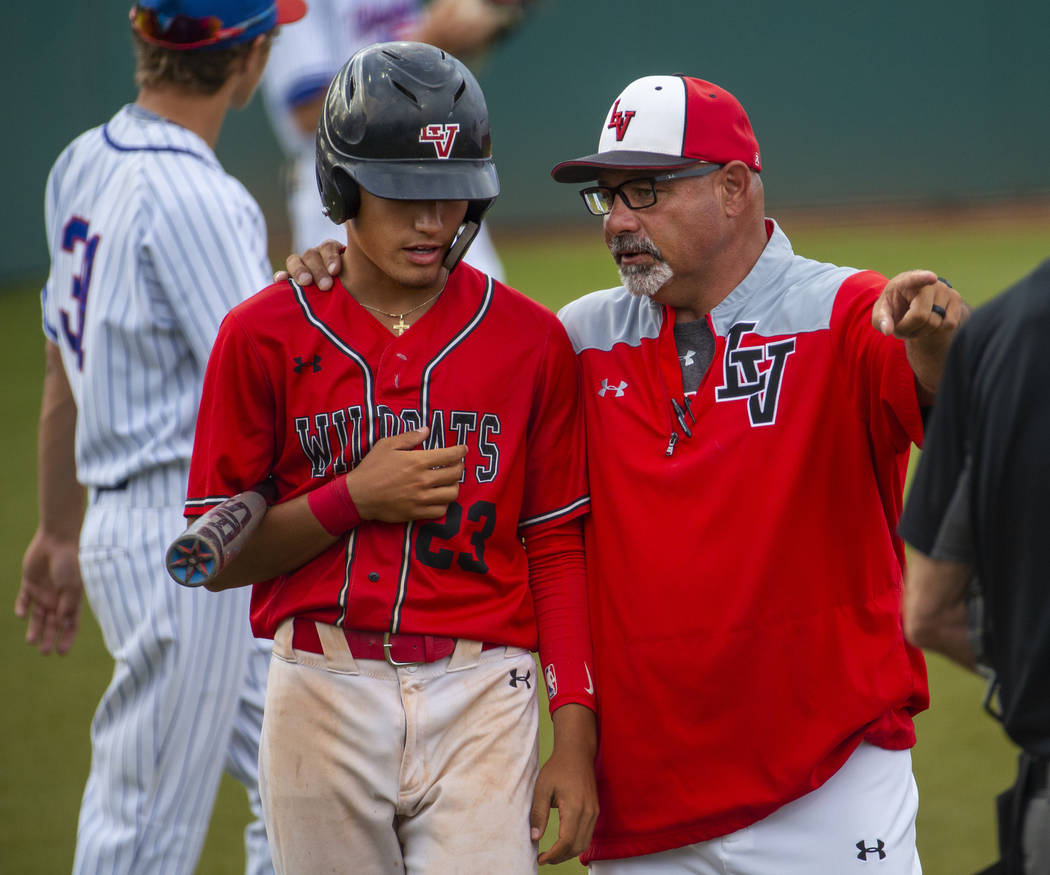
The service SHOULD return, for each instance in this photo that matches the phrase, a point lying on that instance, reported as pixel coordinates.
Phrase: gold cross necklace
(401, 326)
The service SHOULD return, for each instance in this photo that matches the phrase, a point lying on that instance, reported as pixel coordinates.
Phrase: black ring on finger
(939, 310)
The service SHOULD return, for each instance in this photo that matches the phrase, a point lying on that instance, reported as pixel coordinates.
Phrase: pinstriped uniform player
(151, 243)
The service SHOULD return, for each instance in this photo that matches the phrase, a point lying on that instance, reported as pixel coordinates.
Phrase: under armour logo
(607, 388)
(865, 850)
(620, 120)
(515, 677)
(442, 136)
(688, 358)
(314, 364)
(754, 373)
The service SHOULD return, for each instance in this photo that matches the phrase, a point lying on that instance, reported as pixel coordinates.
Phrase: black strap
(1010, 807)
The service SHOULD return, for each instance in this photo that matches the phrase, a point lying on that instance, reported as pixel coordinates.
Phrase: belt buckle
(387, 645)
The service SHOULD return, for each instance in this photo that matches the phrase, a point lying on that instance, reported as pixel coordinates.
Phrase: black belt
(116, 487)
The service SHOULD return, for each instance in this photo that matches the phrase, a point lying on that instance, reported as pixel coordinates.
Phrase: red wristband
(333, 507)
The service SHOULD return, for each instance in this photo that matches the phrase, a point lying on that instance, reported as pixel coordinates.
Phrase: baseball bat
(197, 555)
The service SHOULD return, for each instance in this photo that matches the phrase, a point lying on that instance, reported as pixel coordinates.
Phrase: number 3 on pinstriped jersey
(76, 231)
(442, 558)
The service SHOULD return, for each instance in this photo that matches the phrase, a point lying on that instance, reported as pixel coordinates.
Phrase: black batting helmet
(406, 121)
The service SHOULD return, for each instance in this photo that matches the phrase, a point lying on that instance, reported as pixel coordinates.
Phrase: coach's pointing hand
(396, 483)
(925, 312)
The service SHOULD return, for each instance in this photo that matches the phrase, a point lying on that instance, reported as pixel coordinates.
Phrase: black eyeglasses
(637, 194)
(185, 31)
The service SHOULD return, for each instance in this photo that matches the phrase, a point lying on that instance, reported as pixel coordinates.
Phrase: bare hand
(317, 265)
(50, 593)
(396, 483)
(465, 26)
(906, 306)
(566, 782)
(925, 312)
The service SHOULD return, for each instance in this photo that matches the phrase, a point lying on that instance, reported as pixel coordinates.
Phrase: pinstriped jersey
(744, 571)
(151, 243)
(305, 58)
(302, 383)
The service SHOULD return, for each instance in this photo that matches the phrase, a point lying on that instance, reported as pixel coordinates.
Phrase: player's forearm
(61, 497)
(576, 730)
(463, 27)
(288, 537)
(558, 580)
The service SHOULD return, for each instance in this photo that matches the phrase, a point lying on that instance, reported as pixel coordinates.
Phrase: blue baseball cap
(195, 24)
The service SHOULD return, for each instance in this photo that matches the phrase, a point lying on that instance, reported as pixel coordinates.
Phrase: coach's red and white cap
(665, 122)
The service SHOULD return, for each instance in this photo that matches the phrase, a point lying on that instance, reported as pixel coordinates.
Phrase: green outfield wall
(903, 100)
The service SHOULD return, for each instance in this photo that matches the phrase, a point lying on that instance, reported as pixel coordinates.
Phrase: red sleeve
(233, 447)
(558, 579)
(556, 468)
(880, 377)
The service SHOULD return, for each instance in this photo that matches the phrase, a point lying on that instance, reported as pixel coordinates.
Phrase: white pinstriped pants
(185, 700)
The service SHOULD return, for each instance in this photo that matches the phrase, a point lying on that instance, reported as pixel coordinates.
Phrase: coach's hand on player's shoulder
(924, 311)
(566, 782)
(315, 266)
(395, 482)
(49, 596)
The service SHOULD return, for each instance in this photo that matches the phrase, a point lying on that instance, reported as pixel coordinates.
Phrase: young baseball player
(305, 60)
(151, 243)
(420, 426)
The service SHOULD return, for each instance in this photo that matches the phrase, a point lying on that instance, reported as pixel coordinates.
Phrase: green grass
(962, 758)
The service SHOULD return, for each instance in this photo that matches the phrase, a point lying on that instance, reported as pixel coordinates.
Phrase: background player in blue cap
(151, 243)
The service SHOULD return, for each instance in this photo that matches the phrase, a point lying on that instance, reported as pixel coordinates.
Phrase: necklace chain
(402, 326)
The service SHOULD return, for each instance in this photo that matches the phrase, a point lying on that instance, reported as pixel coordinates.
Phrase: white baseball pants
(376, 770)
(862, 820)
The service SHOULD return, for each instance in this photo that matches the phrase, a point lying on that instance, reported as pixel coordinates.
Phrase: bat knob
(190, 561)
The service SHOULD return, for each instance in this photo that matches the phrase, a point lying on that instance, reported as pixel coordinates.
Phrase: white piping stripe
(554, 514)
(424, 409)
(349, 352)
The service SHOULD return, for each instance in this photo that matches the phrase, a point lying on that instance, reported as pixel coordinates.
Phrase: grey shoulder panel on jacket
(607, 317)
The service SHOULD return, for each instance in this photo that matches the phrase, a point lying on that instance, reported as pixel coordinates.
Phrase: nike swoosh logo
(589, 689)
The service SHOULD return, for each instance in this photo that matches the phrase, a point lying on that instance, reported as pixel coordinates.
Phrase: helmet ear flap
(341, 197)
(349, 193)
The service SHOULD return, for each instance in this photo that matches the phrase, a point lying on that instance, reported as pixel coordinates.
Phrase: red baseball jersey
(745, 575)
(301, 383)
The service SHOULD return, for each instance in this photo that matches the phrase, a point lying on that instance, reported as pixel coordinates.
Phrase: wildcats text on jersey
(334, 441)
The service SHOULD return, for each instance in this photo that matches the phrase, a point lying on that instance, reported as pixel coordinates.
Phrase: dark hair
(203, 71)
